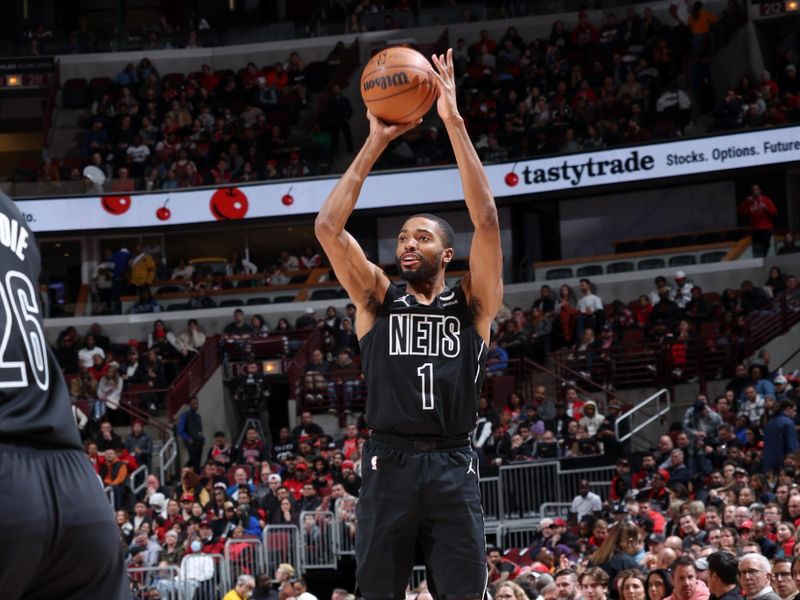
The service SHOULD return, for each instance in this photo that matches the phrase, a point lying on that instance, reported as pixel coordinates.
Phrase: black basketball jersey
(423, 365)
(34, 400)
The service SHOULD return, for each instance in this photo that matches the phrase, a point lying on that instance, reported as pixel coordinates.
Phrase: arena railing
(202, 577)
(109, 492)
(650, 410)
(317, 537)
(162, 578)
(142, 471)
(244, 556)
(281, 545)
(167, 459)
(194, 375)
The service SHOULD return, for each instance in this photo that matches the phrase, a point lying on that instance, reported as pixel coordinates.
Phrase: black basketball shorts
(411, 494)
(58, 536)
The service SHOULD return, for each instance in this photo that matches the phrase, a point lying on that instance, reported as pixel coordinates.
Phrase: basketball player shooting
(58, 538)
(423, 347)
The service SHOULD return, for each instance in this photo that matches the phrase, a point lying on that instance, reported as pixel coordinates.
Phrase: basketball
(397, 85)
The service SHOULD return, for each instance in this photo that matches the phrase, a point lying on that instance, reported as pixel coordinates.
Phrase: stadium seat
(682, 240)
(342, 294)
(589, 271)
(710, 237)
(654, 244)
(619, 267)
(231, 302)
(168, 289)
(323, 294)
(624, 247)
(712, 297)
(99, 86)
(75, 93)
(682, 260)
(712, 257)
(178, 306)
(176, 79)
(733, 235)
(633, 336)
(298, 279)
(562, 273)
(282, 299)
(651, 263)
(255, 301)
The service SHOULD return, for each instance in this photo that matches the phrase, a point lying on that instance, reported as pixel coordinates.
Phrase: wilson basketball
(397, 85)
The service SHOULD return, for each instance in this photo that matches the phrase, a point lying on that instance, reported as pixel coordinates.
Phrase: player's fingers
(450, 67)
(437, 63)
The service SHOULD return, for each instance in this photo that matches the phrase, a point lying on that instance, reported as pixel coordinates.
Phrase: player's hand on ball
(446, 83)
(386, 132)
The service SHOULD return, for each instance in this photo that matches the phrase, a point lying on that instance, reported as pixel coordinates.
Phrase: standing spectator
(139, 443)
(586, 502)
(142, 268)
(722, 574)
(780, 437)
(590, 308)
(760, 210)
(340, 111)
(190, 429)
(683, 289)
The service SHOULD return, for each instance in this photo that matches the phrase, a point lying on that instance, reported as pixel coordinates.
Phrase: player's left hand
(445, 78)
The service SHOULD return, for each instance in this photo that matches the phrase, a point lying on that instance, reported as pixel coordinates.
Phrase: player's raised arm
(483, 285)
(363, 280)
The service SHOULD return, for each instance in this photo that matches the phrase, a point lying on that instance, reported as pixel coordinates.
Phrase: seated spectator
(496, 359)
(239, 327)
(145, 303)
(789, 246)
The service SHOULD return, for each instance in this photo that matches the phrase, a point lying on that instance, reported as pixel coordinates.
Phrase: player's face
(421, 253)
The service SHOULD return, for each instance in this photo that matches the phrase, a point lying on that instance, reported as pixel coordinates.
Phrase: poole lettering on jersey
(13, 236)
(424, 335)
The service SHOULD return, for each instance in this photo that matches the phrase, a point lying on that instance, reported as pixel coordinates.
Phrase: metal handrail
(132, 479)
(660, 411)
(165, 462)
(109, 492)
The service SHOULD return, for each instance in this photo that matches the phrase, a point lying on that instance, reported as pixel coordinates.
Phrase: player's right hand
(386, 132)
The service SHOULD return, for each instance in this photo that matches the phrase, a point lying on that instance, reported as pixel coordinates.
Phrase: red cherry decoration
(512, 179)
(229, 203)
(163, 213)
(116, 205)
(287, 198)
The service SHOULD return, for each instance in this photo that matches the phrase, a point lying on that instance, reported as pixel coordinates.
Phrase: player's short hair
(448, 234)
(724, 565)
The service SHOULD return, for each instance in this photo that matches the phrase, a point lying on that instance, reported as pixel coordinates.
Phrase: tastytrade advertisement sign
(423, 187)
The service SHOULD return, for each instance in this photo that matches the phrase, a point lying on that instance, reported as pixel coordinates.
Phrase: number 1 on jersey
(425, 373)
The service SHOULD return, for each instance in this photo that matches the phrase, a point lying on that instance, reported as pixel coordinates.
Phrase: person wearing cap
(701, 422)
(784, 391)
(659, 492)
(754, 577)
(221, 451)
(780, 437)
(621, 483)
(683, 290)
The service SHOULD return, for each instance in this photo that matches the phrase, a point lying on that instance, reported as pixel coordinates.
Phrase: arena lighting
(14, 80)
(791, 6)
(272, 367)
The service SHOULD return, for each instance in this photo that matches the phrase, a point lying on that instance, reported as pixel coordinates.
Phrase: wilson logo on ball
(386, 81)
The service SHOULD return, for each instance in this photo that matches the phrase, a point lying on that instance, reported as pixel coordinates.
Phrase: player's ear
(448, 255)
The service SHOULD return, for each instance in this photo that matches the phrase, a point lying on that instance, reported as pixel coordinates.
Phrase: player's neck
(426, 291)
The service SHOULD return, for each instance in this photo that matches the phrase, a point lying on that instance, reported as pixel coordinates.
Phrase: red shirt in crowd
(760, 210)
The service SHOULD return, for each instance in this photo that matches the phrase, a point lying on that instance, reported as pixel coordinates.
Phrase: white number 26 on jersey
(19, 306)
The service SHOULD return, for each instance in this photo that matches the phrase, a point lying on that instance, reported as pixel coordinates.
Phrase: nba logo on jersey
(414, 334)
(374, 463)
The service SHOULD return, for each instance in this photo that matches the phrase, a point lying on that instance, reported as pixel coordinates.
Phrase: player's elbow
(323, 229)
